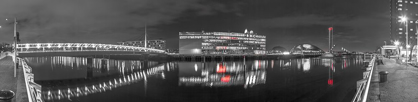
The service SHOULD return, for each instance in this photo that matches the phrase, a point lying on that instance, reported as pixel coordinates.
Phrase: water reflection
(215, 74)
(101, 75)
(85, 89)
(96, 65)
(306, 65)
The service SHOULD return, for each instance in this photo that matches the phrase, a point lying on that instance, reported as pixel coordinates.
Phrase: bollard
(383, 76)
(6, 95)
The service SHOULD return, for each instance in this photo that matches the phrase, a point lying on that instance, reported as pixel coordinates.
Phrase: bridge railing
(56, 47)
(33, 89)
(363, 85)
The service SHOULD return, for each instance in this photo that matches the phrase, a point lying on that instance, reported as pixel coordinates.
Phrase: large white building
(221, 43)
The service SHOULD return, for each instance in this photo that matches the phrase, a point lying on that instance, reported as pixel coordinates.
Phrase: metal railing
(34, 90)
(56, 47)
(364, 84)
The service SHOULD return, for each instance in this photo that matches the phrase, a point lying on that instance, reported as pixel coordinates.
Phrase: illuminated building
(306, 49)
(409, 10)
(155, 44)
(221, 43)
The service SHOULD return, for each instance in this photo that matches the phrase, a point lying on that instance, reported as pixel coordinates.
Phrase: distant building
(277, 50)
(306, 49)
(155, 44)
(221, 43)
(409, 10)
(172, 50)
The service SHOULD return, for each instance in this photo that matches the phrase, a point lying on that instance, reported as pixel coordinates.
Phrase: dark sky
(360, 25)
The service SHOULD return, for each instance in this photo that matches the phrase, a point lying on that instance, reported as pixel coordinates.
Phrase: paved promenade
(402, 83)
(9, 82)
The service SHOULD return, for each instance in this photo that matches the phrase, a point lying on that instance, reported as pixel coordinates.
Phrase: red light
(330, 82)
(259, 64)
(345, 64)
(226, 78)
(330, 28)
(221, 69)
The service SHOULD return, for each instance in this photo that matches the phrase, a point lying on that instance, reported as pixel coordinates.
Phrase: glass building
(155, 44)
(221, 43)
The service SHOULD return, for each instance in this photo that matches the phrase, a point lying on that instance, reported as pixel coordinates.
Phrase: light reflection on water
(100, 75)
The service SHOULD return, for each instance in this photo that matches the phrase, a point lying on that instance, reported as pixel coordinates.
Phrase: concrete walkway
(402, 83)
(7, 79)
(9, 82)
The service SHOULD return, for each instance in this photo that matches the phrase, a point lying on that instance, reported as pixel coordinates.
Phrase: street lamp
(416, 46)
(405, 20)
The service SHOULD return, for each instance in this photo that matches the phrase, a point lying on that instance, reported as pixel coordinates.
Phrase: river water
(68, 79)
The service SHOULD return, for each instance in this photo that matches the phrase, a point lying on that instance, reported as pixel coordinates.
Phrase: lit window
(411, 2)
(411, 21)
(400, 28)
(400, 32)
(406, 1)
(416, 2)
(399, 0)
(411, 29)
(400, 4)
(400, 9)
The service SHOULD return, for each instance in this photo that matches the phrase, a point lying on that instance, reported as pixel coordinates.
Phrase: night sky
(359, 25)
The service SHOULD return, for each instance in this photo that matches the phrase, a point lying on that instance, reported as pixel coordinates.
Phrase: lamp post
(416, 34)
(14, 49)
(405, 20)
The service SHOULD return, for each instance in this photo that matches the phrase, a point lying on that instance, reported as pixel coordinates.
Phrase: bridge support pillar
(89, 67)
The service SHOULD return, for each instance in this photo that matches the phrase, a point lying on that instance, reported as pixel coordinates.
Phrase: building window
(406, 1)
(400, 5)
(416, 2)
(400, 9)
(411, 2)
(411, 29)
(400, 28)
(411, 21)
(400, 32)
(399, 0)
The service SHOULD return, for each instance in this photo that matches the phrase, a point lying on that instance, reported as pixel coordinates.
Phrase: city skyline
(285, 23)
